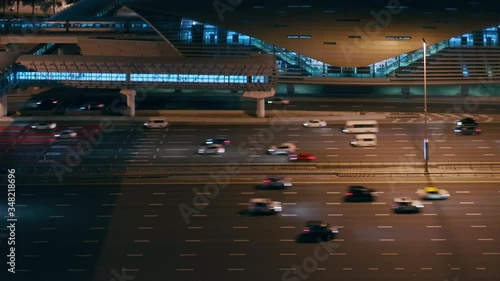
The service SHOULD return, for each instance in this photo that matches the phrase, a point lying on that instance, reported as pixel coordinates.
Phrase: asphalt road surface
(136, 232)
(125, 142)
(71, 101)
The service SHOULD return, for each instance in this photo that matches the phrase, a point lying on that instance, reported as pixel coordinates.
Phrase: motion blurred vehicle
(274, 183)
(218, 140)
(302, 157)
(360, 194)
(258, 206)
(319, 230)
(282, 149)
(92, 106)
(279, 101)
(315, 123)
(403, 205)
(467, 126)
(212, 149)
(47, 103)
(432, 193)
(156, 123)
(360, 127)
(44, 126)
(364, 140)
(66, 134)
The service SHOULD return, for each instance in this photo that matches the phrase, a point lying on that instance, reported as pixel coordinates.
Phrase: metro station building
(258, 46)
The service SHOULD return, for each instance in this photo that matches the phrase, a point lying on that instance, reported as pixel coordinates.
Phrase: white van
(156, 123)
(364, 140)
(360, 127)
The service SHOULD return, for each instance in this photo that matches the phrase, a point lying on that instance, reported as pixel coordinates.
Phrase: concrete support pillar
(261, 108)
(130, 94)
(464, 90)
(3, 106)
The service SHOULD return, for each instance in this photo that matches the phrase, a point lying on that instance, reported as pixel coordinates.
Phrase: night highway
(70, 101)
(128, 142)
(93, 231)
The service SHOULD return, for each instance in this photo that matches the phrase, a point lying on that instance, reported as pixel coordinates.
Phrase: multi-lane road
(129, 142)
(136, 231)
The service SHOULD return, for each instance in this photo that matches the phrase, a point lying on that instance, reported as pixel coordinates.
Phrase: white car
(212, 149)
(263, 206)
(283, 149)
(44, 126)
(66, 134)
(315, 123)
(156, 123)
(406, 205)
(432, 193)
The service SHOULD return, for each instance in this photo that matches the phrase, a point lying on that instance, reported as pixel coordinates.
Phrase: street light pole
(426, 141)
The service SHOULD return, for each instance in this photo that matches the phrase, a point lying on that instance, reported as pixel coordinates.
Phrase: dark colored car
(48, 103)
(360, 194)
(467, 130)
(319, 230)
(218, 140)
(274, 183)
(468, 121)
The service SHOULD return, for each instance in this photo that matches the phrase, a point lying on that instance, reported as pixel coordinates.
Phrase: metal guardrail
(113, 169)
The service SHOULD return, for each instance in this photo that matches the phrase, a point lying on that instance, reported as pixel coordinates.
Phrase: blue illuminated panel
(74, 76)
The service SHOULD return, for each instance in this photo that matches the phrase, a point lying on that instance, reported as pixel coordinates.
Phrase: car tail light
(311, 157)
(227, 142)
(478, 130)
(348, 194)
(54, 102)
(306, 230)
(266, 181)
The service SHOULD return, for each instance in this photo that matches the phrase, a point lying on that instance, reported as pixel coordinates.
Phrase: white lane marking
(454, 268)
(481, 268)
(444, 254)
(426, 268)
(288, 254)
(389, 254)
(399, 268)
(224, 129)
(398, 128)
(184, 269)
(284, 203)
(187, 255)
(378, 203)
(407, 147)
(347, 268)
(287, 227)
(237, 254)
(337, 192)
(176, 149)
(335, 215)
(333, 203)
(328, 141)
(462, 191)
(241, 240)
(491, 254)
(379, 215)
(235, 269)
(466, 203)
(438, 239)
(449, 155)
(483, 147)
(240, 227)
(371, 155)
(473, 214)
(372, 268)
(248, 192)
(384, 226)
(192, 241)
(439, 140)
(478, 226)
(433, 226)
(327, 135)
(386, 240)
(143, 241)
(429, 214)
(332, 148)
(445, 147)
(485, 239)
(287, 240)
(410, 155)
(288, 215)
(400, 134)
(368, 148)
(338, 254)
(294, 135)
(401, 140)
(489, 154)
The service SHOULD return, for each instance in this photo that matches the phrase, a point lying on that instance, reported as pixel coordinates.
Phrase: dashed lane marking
(478, 226)
(433, 226)
(237, 255)
(384, 226)
(473, 214)
(438, 239)
(444, 254)
(240, 227)
(187, 255)
(135, 255)
(485, 239)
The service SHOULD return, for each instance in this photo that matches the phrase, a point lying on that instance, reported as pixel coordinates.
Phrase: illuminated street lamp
(426, 141)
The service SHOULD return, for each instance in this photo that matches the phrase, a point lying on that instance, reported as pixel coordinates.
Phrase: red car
(302, 157)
